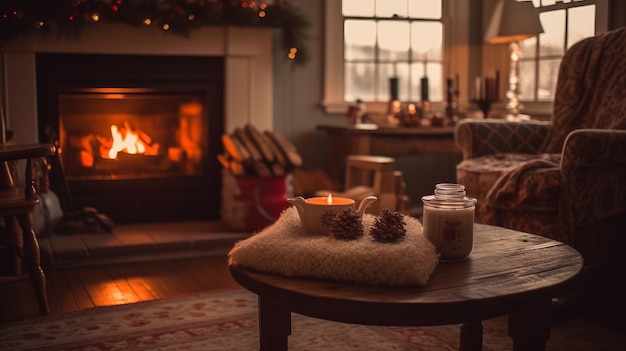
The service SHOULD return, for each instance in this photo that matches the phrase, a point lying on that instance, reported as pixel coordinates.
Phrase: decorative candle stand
(484, 105)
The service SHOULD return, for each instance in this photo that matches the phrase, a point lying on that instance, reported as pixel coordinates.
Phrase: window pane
(548, 74)
(529, 48)
(359, 81)
(359, 40)
(580, 23)
(363, 8)
(393, 40)
(424, 9)
(427, 37)
(388, 8)
(400, 70)
(434, 72)
(526, 80)
(553, 39)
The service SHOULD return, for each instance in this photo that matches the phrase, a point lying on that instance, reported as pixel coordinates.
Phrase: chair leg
(33, 260)
(15, 242)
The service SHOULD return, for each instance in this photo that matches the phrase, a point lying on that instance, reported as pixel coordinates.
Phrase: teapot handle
(365, 204)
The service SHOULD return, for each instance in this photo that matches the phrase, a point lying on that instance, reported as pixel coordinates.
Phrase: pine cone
(347, 225)
(327, 218)
(389, 227)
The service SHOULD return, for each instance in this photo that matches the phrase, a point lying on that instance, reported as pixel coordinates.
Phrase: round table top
(506, 269)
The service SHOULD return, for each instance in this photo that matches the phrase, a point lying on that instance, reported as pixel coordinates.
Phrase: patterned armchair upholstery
(564, 179)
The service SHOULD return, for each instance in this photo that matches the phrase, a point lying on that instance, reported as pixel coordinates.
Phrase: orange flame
(126, 140)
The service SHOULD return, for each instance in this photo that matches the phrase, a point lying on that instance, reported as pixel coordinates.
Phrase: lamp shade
(513, 21)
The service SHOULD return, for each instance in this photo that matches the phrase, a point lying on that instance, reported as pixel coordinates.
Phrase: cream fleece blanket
(284, 248)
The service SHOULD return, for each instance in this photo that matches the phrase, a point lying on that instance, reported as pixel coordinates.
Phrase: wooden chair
(368, 175)
(18, 241)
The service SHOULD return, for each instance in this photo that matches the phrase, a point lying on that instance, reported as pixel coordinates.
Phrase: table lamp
(512, 22)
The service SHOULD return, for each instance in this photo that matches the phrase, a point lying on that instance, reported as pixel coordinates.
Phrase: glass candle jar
(449, 221)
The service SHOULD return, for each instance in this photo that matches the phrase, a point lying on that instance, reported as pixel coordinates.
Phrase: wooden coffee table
(509, 272)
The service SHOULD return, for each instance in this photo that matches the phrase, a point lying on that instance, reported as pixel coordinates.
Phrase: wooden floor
(77, 288)
(73, 288)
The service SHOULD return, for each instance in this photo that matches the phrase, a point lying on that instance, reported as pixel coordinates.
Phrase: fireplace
(139, 135)
(175, 190)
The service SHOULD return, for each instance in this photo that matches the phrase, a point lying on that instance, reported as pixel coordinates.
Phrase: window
(392, 38)
(564, 22)
(370, 41)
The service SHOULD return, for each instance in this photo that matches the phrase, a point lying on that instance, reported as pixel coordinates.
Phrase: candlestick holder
(484, 105)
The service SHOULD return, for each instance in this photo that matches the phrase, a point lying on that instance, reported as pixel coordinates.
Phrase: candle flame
(329, 199)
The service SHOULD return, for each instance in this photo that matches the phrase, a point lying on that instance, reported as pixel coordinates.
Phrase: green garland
(18, 17)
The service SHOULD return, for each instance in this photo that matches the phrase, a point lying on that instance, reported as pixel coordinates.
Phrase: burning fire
(125, 139)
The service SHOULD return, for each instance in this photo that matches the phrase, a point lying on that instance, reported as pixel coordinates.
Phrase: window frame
(458, 55)
(334, 102)
(544, 107)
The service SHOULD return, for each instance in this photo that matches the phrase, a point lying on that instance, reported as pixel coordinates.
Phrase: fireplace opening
(118, 133)
(139, 135)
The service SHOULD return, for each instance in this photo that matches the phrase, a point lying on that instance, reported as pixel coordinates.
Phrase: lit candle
(329, 200)
(312, 209)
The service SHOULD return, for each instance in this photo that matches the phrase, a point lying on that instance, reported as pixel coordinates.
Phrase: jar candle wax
(449, 221)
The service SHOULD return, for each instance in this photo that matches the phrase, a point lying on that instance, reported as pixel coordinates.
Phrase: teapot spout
(365, 204)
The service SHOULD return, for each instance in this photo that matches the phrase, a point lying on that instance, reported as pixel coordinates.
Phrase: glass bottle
(449, 221)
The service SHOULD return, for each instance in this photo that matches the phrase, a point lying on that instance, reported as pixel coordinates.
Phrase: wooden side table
(509, 272)
(343, 141)
(16, 208)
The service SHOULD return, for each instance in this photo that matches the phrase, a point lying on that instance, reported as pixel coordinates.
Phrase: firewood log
(261, 169)
(261, 142)
(248, 151)
(242, 136)
(235, 149)
(278, 169)
(286, 147)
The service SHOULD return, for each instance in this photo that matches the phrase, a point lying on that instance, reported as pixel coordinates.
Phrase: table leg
(529, 326)
(471, 336)
(274, 325)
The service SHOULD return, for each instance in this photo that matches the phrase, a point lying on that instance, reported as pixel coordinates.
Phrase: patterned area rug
(226, 321)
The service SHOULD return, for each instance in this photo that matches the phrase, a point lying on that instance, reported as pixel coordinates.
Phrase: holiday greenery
(68, 17)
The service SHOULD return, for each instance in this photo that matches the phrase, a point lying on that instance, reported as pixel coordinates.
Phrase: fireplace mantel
(247, 53)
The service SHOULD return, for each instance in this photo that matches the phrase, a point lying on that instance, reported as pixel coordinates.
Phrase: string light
(292, 53)
(210, 13)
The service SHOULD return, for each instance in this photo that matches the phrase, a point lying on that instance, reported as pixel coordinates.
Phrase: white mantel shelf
(247, 53)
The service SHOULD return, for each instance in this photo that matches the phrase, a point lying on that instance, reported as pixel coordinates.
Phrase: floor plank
(74, 287)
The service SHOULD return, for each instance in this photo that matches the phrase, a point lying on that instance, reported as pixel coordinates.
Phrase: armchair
(564, 179)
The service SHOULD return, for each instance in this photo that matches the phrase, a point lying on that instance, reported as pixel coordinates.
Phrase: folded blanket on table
(284, 248)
